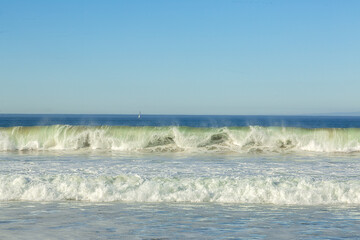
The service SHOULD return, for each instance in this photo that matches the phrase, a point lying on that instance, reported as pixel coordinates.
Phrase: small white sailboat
(139, 116)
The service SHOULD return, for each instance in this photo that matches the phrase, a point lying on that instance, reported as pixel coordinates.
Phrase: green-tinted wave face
(179, 139)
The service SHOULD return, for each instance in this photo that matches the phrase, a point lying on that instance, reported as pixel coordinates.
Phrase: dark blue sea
(10, 120)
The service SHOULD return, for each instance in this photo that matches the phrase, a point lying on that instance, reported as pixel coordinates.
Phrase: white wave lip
(179, 139)
(133, 188)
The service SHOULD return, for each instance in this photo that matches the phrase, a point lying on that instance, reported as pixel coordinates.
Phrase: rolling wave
(179, 139)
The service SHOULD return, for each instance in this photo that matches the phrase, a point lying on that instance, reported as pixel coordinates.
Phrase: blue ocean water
(179, 177)
(10, 120)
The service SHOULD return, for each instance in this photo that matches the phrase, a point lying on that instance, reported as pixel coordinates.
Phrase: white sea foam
(168, 139)
(133, 188)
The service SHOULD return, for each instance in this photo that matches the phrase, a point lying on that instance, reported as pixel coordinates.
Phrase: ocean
(179, 177)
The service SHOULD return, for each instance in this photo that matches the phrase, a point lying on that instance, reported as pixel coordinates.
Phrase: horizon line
(181, 114)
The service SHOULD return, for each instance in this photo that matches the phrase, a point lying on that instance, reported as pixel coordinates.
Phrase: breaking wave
(133, 188)
(180, 139)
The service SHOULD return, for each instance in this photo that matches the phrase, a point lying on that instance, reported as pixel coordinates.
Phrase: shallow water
(74, 220)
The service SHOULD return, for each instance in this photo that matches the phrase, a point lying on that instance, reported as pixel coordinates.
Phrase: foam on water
(133, 188)
(187, 139)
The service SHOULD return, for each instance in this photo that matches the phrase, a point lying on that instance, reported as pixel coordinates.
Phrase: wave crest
(186, 139)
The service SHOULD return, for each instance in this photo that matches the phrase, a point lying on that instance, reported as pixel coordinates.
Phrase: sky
(180, 57)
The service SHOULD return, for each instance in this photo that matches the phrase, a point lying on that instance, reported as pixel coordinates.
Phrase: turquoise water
(98, 181)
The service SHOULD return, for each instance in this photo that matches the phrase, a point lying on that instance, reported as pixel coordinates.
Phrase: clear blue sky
(180, 57)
